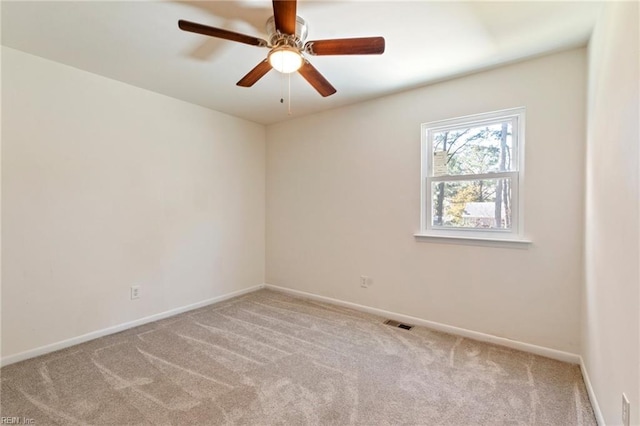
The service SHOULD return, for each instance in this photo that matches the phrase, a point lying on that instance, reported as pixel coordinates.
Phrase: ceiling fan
(287, 44)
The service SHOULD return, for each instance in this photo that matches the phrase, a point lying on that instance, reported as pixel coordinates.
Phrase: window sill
(474, 240)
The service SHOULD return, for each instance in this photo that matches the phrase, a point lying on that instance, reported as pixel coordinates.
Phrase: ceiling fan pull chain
(289, 94)
(282, 88)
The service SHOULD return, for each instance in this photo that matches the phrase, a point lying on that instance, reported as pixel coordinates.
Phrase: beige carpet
(267, 358)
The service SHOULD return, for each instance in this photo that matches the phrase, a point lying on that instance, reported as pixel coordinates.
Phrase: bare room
(308, 212)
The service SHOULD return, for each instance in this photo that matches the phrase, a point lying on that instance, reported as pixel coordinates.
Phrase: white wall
(105, 185)
(611, 319)
(343, 200)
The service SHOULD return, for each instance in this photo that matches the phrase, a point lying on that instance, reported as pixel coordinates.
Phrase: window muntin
(472, 174)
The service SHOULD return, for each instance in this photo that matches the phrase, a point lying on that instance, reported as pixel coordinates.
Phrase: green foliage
(469, 193)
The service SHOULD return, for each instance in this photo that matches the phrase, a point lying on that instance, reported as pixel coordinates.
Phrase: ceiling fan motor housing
(296, 40)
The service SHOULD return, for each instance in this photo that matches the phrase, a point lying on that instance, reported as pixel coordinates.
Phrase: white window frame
(516, 233)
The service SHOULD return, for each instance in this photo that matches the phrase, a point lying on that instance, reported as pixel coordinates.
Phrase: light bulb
(285, 59)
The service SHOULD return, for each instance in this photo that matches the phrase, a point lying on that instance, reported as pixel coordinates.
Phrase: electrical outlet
(364, 281)
(135, 292)
(626, 411)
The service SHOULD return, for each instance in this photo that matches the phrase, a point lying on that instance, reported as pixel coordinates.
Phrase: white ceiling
(139, 43)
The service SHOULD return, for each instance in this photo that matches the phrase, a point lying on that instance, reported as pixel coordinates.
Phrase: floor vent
(398, 324)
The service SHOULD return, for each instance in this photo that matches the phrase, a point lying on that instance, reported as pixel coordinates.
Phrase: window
(472, 174)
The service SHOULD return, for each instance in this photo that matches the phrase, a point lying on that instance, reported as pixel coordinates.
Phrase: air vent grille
(394, 323)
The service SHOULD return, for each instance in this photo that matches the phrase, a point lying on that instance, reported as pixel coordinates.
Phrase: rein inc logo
(16, 421)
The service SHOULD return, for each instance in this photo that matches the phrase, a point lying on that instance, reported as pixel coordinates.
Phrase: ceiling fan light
(285, 59)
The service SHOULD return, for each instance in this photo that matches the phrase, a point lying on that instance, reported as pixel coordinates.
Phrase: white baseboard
(514, 344)
(11, 359)
(475, 335)
(591, 393)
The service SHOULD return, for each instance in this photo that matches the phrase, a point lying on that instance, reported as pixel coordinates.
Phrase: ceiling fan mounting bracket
(309, 48)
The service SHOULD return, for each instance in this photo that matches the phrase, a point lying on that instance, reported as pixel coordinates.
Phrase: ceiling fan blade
(346, 46)
(193, 27)
(255, 74)
(316, 79)
(284, 13)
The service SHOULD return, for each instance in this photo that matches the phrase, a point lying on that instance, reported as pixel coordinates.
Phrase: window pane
(474, 204)
(473, 150)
